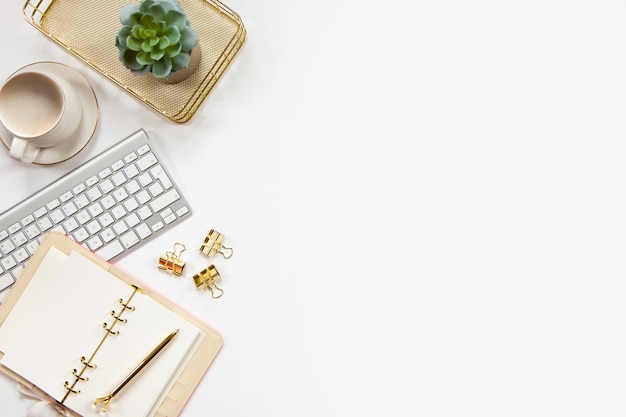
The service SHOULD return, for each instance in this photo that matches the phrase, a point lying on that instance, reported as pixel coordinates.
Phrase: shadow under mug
(39, 110)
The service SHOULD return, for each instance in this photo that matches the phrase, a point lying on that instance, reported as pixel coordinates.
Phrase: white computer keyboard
(111, 204)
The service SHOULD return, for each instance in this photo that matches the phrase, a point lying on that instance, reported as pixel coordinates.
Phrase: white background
(426, 202)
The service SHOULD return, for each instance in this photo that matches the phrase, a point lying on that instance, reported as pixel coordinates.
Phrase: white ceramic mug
(40, 110)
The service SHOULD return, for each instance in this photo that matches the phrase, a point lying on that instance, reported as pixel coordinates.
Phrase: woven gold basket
(87, 29)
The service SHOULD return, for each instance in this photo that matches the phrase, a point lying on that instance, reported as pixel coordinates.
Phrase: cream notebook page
(59, 319)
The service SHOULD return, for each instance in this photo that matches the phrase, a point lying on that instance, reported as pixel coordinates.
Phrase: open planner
(73, 326)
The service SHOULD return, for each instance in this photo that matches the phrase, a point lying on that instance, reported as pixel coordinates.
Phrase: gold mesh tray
(87, 29)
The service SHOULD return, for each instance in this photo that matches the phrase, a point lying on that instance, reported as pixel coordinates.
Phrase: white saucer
(88, 121)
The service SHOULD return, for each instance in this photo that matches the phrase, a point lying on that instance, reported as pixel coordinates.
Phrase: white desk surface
(426, 203)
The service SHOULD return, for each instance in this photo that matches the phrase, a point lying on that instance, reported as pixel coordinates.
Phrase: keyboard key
(79, 188)
(44, 224)
(118, 212)
(182, 211)
(107, 235)
(104, 173)
(21, 255)
(107, 202)
(69, 209)
(155, 189)
(4, 234)
(129, 240)
(146, 162)
(130, 157)
(8, 262)
(80, 235)
(132, 220)
(157, 226)
(57, 216)
(83, 217)
(95, 209)
(120, 195)
(94, 243)
(14, 228)
(143, 149)
(106, 219)
(143, 197)
(32, 231)
(144, 212)
(131, 204)
(143, 230)
(131, 171)
(17, 271)
(165, 200)
(119, 179)
(70, 225)
(31, 246)
(53, 204)
(117, 165)
(107, 186)
(19, 239)
(120, 227)
(91, 181)
(159, 173)
(7, 246)
(66, 196)
(167, 212)
(94, 194)
(41, 211)
(81, 201)
(111, 250)
(132, 187)
(28, 220)
(94, 227)
(145, 179)
(6, 281)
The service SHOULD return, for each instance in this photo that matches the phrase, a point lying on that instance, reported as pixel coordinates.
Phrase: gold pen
(102, 404)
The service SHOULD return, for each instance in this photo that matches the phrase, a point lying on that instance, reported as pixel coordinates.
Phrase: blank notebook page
(61, 319)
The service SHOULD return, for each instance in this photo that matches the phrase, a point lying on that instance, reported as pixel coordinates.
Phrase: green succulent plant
(156, 37)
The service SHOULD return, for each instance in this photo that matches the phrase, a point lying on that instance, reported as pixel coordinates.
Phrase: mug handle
(23, 151)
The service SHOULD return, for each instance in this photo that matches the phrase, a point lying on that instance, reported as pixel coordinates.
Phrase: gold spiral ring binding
(118, 318)
(113, 332)
(126, 306)
(79, 376)
(83, 360)
(66, 385)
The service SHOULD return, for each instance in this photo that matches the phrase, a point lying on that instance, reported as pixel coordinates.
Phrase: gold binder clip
(213, 244)
(206, 280)
(171, 261)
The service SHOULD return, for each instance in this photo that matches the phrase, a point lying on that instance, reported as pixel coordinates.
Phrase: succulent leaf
(124, 33)
(180, 61)
(176, 18)
(157, 11)
(127, 13)
(173, 50)
(143, 58)
(130, 60)
(133, 43)
(162, 68)
(164, 42)
(173, 34)
(189, 39)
